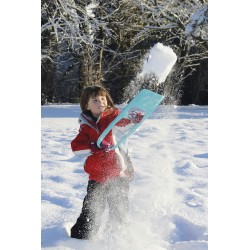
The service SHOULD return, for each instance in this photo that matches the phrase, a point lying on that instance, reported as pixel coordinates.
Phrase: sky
(21, 127)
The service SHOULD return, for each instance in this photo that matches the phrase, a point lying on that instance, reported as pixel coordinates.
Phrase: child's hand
(135, 116)
(104, 147)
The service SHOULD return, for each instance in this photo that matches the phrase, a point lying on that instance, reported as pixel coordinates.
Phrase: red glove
(135, 116)
(104, 147)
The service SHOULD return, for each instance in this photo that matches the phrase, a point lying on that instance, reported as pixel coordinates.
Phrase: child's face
(97, 105)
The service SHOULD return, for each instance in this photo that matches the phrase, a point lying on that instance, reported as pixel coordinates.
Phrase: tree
(93, 38)
(104, 42)
(183, 26)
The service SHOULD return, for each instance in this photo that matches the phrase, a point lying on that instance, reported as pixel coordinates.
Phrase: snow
(159, 61)
(228, 134)
(199, 17)
(89, 9)
(168, 196)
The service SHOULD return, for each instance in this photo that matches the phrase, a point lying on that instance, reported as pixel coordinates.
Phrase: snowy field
(168, 196)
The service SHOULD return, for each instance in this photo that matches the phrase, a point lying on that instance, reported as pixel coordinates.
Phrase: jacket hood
(88, 120)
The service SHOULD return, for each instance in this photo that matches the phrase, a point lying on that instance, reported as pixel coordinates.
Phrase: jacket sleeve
(80, 145)
(123, 122)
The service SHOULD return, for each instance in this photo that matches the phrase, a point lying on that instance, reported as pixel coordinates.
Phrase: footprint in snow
(186, 169)
(185, 230)
(205, 155)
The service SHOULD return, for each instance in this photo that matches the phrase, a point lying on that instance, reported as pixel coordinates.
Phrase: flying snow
(160, 61)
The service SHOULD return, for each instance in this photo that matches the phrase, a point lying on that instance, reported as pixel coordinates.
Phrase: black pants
(115, 192)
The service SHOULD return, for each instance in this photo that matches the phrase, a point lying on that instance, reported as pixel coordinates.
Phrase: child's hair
(93, 91)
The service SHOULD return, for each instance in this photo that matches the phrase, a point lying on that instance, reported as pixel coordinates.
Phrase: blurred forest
(105, 42)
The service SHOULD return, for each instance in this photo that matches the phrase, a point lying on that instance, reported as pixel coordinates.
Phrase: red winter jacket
(100, 166)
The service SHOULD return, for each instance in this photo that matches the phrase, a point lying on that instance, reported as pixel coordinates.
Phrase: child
(109, 170)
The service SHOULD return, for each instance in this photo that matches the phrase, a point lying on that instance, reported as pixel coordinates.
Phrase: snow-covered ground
(168, 196)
